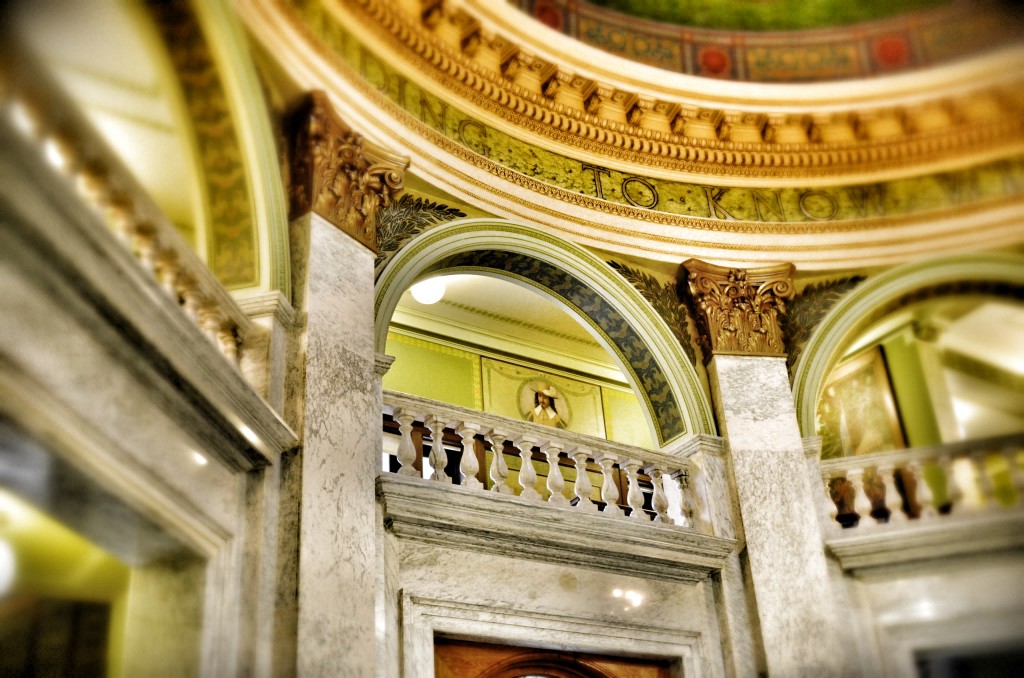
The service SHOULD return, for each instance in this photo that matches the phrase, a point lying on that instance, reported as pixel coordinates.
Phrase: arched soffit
(825, 183)
(879, 296)
(591, 290)
(246, 237)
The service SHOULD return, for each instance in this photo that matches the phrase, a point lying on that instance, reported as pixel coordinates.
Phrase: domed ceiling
(520, 121)
(781, 40)
(747, 15)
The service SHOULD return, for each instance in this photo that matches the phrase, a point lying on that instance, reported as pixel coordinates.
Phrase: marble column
(738, 313)
(339, 181)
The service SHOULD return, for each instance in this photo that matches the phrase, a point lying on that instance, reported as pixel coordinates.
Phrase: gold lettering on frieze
(597, 172)
(818, 205)
(715, 209)
(739, 310)
(477, 140)
(769, 200)
(647, 196)
(337, 174)
(868, 200)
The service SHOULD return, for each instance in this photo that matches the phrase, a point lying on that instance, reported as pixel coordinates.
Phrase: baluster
(438, 455)
(984, 480)
(556, 483)
(893, 500)
(121, 217)
(831, 509)
(953, 492)
(210, 321)
(93, 184)
(228, 343)
(1016, 475)
(527, 471)
(861, 503)
(582, 486)
(659, 500)
(147, 248)
(406, 452)
(693, 501)
(635, 496)
(167, 273)
(499, 469)
(469, 465)
(922, 492)
(678, 479)
(609, 488)
(190, 298)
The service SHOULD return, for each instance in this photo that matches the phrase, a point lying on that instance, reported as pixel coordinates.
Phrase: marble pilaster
(779, 512)
(337, 557)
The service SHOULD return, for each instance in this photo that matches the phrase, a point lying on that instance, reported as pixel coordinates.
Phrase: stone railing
(541, 464)
(981, 476)
(49, 121)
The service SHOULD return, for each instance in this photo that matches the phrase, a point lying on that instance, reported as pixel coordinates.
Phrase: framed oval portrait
(542, 403)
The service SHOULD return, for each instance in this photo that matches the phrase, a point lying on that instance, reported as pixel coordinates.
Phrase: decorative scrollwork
(739, 310)
(339, 175)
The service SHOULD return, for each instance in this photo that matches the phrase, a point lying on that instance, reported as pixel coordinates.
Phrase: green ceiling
(765, 15)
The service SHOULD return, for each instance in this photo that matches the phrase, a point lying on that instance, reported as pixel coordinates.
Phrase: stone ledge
(60, 245)
(880, 546)
(453, 516)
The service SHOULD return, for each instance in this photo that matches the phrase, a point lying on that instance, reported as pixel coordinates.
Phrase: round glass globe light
(428, 291)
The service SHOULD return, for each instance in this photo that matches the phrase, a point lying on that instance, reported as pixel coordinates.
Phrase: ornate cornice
(493, 73)
(339, 175)
(739, 310)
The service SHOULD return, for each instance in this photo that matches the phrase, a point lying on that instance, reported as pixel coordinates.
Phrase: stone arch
(246, 221)
(877, 297)
(588, 288)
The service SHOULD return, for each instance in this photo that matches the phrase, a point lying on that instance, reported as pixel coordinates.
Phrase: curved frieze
(972, 202)
(603, 316)
(796, 209)
(492, 74)
(779, 52)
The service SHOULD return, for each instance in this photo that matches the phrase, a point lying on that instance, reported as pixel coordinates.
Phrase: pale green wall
(453, 375)
(434, 371)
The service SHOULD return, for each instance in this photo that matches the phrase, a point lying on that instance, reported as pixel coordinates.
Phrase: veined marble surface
(795, 600)
(512, 601)
(340, 456)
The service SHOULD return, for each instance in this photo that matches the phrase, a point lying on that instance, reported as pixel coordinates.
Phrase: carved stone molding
(337, 174)
(382, 363)
(739, 310)
(695, 139)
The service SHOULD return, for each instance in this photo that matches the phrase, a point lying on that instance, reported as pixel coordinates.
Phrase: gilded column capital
(337, 174)
(739, 309)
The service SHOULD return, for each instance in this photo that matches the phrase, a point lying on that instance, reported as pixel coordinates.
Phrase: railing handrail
(898, 457)
(566, 440)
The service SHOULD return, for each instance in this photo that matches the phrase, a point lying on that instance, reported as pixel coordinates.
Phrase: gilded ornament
(339, 175)
(739, 310)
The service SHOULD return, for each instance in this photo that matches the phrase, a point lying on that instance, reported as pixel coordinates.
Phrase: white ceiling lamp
(428, 291)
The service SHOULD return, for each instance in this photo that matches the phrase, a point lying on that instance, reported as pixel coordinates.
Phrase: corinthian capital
(738, 310)
(337, 174)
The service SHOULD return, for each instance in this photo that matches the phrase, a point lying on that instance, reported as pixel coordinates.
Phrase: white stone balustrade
(923, 483)
(44, 116)
(619, 480)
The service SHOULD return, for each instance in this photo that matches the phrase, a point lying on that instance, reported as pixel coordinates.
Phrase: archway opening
(495, 345)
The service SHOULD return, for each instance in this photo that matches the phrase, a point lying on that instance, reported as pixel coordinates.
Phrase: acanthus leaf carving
(739, 310)
(339, 175)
